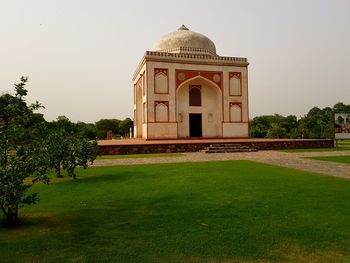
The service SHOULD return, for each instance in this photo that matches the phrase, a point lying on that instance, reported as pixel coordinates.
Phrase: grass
(342, 146)
(335, 149)
(148, 155)
(337, 159)
(344, 142)
(231, 211)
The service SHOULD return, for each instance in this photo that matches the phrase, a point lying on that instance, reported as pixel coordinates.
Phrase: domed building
(183, 89)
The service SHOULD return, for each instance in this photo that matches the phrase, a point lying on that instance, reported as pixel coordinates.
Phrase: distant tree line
(317, 123)
(99, 129)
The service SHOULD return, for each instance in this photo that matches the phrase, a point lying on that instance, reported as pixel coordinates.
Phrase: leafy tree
(318, 123)
(80, 152)
(259, 126)
(105, 125)
(57, 142)
(22, 152)
(68, 147)
(125, 125)
(341, 108)
(56, 149)
(273, 126)
(290, 124)
(276, 131)
(118, 127)
(89, 130)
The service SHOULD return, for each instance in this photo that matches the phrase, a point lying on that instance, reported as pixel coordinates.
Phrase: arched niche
(235, 86)
(235, 112)
(161, 112)
(161, 83)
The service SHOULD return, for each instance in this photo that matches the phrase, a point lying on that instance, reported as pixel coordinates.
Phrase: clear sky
(80, 55)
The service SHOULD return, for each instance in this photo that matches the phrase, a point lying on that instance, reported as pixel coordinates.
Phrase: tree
(57, 142)
(22, 152)
(276, 131)
(68, 147)
(341, 108)
(118, 127)
(259, 126)
(89, 130)
(105, 125)
(80, 152)
(318, 123)
(56, 149)
(273, 126)
(125, 125)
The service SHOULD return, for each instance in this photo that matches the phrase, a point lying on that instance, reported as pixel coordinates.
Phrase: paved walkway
(291, 160)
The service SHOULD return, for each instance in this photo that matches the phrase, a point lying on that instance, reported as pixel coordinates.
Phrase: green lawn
(148, 155)
(342, 146)
(344, 142)
(338, 159)
(232, 211)
(335, 149)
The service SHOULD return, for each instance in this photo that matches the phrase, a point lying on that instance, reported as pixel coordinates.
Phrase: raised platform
(137, 146)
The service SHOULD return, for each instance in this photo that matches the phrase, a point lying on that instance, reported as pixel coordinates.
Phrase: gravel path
(291, 160)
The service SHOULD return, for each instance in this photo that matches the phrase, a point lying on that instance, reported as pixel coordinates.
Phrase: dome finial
(183, 28)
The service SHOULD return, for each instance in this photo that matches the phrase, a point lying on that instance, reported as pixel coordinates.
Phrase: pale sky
(80, 55)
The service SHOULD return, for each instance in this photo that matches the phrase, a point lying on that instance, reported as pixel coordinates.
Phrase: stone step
(229, 151)
(225, 145)
(227, 148)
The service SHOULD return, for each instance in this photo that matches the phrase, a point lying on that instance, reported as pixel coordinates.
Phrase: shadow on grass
(31, 223)
(108, 176)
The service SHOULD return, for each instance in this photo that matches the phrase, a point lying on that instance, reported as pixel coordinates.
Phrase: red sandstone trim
(181, 76)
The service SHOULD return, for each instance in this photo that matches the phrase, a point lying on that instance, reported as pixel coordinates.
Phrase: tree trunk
(71, 172)
(12, 216)
(58, 170)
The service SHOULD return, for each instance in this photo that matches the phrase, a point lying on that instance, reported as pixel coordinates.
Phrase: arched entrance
(199, 109)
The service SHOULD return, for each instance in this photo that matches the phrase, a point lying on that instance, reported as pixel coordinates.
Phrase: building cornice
(190, 58)
(192, 50)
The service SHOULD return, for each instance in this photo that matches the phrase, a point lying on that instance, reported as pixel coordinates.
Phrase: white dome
(184, 40)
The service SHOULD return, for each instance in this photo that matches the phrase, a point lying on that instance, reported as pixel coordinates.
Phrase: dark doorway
(195, 125)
